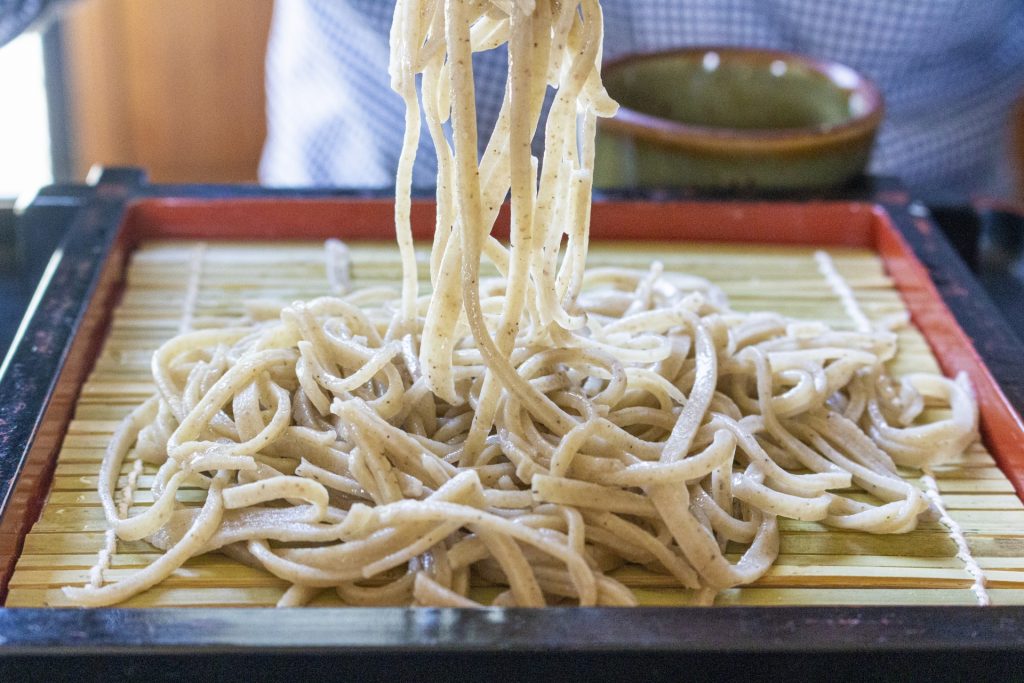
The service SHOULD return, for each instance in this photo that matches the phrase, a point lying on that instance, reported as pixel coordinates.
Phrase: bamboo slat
(817, 565)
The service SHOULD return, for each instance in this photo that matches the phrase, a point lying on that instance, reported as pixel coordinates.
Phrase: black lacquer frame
(869, 643)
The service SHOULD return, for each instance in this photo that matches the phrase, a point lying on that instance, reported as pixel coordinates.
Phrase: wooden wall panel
(173, 86)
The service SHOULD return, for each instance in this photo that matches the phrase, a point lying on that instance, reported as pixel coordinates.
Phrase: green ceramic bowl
(735, 118)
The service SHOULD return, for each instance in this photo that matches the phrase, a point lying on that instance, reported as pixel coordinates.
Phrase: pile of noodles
(535, 431)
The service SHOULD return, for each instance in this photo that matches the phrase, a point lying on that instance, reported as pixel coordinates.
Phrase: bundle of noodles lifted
(526, 436)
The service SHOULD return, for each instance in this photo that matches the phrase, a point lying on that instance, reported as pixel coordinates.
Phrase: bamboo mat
(173, 286)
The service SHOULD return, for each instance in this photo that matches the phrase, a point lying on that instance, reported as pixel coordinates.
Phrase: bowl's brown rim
(707, 138)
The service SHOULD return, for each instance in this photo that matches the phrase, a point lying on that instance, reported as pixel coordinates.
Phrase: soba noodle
(533, 431)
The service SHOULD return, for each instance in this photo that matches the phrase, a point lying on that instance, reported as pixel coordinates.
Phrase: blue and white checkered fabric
(17, 15)
(950, 71)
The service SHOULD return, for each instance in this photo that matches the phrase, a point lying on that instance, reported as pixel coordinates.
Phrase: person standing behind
(950, 71)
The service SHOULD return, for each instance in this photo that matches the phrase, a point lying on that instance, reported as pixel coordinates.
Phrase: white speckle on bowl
(711, 61)
(843, 76)
(858, 104)
(778, 68)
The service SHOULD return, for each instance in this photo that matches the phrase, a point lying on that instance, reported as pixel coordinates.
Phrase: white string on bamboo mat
(103, 559)
(339, 266)
(106, 553)
(842, 289)
(963, 551)
(191, 299)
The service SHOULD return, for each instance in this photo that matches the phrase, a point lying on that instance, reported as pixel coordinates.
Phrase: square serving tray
(65, 326)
